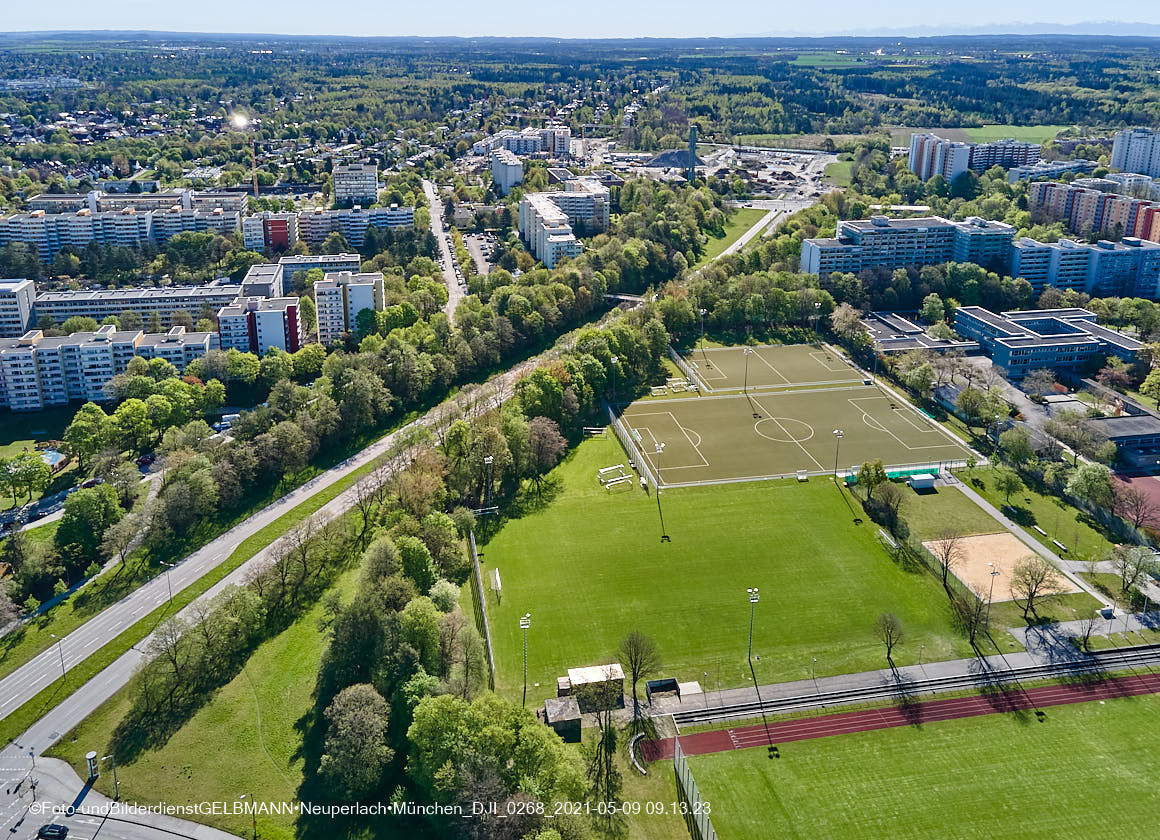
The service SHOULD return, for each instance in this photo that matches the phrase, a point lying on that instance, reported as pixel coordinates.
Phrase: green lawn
(244, 741)
(1085, 772)
(928, 513)
(1060, 520)
(740, 221)
(828, 59)
(838, 172)
(1026, 133)
(590, 567)
(20, 431)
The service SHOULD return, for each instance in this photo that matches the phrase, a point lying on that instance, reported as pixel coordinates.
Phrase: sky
(591, 18)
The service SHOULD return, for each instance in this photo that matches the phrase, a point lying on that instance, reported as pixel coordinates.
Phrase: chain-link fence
(697, 810)
(480, 597)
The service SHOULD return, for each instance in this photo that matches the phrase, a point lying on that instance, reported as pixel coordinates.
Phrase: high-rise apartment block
(507, 170)
(356, 183)
(1090, 206)
(198, 301)
(315, 225)
(270, 231)
(340, 297)
(1137, 150)
(547, 219)
(37, 371)
(17, 299)
(256, 325)
(932, 155)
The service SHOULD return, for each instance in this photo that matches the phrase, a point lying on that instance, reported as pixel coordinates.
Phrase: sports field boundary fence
(690, 374)
(616, 423)
(893, 470)
(696, 815)
(480, 598)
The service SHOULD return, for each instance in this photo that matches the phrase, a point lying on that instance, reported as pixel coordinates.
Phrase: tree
(1015, 444)
(1039, 382)
(119, 536)
(888, 629)
(546, 445)
(87, 513)
(920, 379)
(639, 655)
(947, 548)
(88, 433)
(79, 323)
(27, 472)
(970, 610)
(131, 423)
(309, 312)
(870, 475)
(1007, 481)
(932, 311)
(1034, 581)
(417, 562)
(890, 500)
(355, 752)
(9, 612)
(1135, 506)
(1132, 564)
(1151, 386)
(846, 322)
(1092, 483)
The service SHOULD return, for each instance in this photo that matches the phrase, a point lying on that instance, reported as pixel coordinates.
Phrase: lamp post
(60, 650)
(253, 814)
(745, 386)
(488, 460)
(116, 785)
(169, 566)
(660, 450)
(991, 591)
(838, 435)
(525, 623)
(817, 314)
(615, 361)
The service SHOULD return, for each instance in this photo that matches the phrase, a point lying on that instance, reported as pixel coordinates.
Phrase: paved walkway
(1016, 701)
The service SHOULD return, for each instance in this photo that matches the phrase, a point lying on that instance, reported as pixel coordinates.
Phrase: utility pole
(525, 623)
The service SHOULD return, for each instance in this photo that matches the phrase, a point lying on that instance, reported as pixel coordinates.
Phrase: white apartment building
(17, 298)
(168, 223)
(356, 183)
(96, 201)
(263, 280)
(315, 225)
(255, 325)
(270, 231)
(198, 301)
(36, 371)
(325, 262)
(507, 170)
(340, 297)
(932, 155)
(545, 229)
(1137, 150)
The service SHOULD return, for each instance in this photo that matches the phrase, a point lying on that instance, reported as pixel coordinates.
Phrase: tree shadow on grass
(906, 698)
(1002, 694)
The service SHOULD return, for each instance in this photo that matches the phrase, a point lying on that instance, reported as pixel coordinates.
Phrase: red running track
(910, 714)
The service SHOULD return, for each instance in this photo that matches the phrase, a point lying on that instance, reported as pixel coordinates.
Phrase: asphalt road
(455, 292)
(26, 681)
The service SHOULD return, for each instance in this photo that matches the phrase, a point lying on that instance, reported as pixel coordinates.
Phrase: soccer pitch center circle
(784, 429)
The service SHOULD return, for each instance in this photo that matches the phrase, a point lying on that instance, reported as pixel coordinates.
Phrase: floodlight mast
(525, 623)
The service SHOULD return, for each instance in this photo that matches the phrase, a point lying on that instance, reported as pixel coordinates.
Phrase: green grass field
(20, 431)
(244, 741)
(1060, 520)
(828, 59)
(740, 221)
(1026, 133)
(590, 567)
(1085, 772)
(839, 172)
(928, 513)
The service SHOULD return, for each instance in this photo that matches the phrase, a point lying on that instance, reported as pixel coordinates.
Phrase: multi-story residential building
(545, 229)
(1130, 267)
(356, 183)
(263, 280)
(96, 201)
(198, 301)
(37, 371)
(1048, 169)
(168, 223)
(315, 225)
(1093, 205)
(1137, 150)
(270, 231)
(1055, 339)
(507, 170)
(339, 299)
(17, 299)
(554, 139)
(326, 262)
(932, 155)
(880, 242)
(256, 325)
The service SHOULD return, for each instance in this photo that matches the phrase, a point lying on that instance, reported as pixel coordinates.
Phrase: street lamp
(60, 650)
(525, 623)
(991, 591)
(253, 814)
(838, 435)
(116, 786)
(615, 361)
(745, 387)
(169, 566)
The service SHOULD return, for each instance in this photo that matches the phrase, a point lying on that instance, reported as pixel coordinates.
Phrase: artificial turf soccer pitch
(780, 419)
(590, 566)
(1088, 771)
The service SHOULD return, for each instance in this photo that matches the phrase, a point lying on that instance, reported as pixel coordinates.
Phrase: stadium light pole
(60, 650)
(991, 591)
(525, 623)
(487, 462)
(753, 599)
(615, 361)
(660, 450)
(745, 386)
(703, 357)
(817, 314)
(838, 435)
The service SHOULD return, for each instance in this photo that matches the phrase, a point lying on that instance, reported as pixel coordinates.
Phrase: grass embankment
(838, 173)
(736, 224)
(246, 740)
(994, 776)
(59, 689)
(590, 567)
